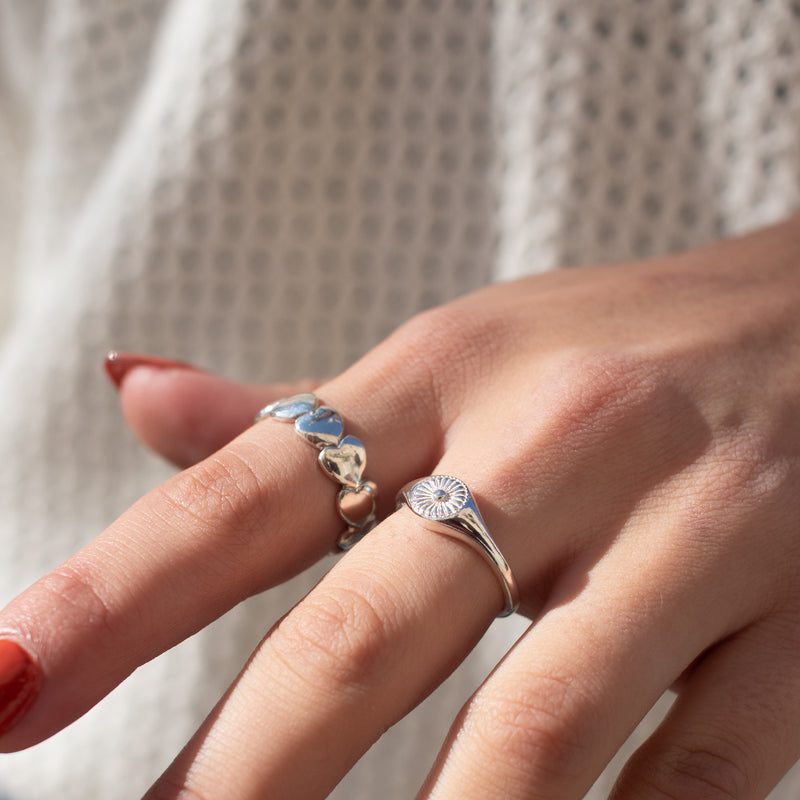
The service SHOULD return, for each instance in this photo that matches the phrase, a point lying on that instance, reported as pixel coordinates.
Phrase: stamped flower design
(438, 497)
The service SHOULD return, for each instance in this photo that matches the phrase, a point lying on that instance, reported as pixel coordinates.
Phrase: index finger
(245, 519)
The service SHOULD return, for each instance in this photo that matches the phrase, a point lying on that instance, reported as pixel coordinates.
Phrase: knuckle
(78, 597)
(710, 771)
(438, 328)
(228, 506)
(746, 469)
(740, 491)
(224, 492)
(454, 344)
(597, 389)
(586, 403)
(336, 639)
(547, 733)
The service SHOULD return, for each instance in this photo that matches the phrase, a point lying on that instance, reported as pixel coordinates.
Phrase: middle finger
(383, 628)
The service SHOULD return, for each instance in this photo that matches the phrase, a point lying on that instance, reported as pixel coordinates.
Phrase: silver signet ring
(448, 503)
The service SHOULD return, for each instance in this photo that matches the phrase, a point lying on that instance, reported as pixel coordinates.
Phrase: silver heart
(345, 463)
(322, 427)
(289, 407)
(357, 506)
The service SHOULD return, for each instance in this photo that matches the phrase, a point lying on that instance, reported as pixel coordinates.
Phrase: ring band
(449, 504)
(342, 459)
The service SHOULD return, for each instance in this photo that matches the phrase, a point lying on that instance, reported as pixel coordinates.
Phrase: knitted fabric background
(267, 188)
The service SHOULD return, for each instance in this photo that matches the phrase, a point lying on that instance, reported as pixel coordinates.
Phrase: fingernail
(118, 365)
(19, 679)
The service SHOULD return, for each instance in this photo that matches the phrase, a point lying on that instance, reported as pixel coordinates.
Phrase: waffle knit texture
(267, 188)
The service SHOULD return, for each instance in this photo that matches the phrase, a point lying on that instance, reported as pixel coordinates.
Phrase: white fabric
(268, 187)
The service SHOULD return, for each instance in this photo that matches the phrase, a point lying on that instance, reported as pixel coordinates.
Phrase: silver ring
(448, 503)
(341, 457)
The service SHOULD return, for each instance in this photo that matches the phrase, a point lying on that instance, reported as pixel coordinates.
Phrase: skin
(632, 434)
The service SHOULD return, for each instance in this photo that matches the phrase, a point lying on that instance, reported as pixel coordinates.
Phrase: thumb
(184, 413)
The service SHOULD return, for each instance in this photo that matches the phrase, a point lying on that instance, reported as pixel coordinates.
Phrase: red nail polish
(19, 680)
(118, 365)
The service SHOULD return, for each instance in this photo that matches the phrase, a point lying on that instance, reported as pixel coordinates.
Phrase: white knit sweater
(268, 187)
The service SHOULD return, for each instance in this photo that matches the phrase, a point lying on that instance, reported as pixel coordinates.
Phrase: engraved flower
(438, 497)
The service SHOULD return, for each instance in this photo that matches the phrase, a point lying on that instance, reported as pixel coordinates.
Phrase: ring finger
(614, 635)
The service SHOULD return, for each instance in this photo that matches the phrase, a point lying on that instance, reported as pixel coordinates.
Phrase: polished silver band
(342, 459)
(447, 502)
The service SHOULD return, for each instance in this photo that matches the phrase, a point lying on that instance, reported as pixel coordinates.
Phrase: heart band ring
(342, 459)
(449, 504)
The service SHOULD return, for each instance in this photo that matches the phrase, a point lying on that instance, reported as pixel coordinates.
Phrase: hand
(632, 435)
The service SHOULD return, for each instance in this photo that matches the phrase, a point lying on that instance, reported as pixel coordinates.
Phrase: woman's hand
(632, 435)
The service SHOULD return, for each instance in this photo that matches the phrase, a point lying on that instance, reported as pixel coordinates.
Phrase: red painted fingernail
(19, 681)
(118, 365)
